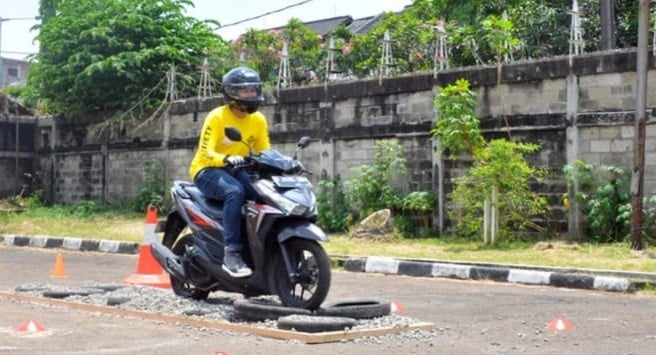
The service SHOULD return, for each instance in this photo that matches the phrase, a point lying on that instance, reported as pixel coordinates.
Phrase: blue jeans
(232, 187)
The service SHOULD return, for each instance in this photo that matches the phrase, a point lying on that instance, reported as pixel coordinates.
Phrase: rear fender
(172, 229)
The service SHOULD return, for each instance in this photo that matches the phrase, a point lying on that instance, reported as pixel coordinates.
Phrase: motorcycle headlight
(283, 203)
(286, 205)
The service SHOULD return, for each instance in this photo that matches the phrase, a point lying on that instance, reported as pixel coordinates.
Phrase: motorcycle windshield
(275, 159)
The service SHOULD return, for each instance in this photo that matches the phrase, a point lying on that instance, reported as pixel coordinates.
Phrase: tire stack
(336, 315)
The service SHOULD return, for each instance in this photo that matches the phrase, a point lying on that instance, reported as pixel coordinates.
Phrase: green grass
(97, 222)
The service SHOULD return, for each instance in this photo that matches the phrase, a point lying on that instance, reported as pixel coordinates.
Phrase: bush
(501, 164)
(334, 216)
(154, 190)
(412, 217)
(371, 188)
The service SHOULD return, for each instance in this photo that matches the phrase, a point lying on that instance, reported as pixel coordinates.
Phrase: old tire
(261, 310)
(358, 308)
(315, 324)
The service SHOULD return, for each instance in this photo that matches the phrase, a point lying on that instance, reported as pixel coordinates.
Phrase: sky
(18, 16)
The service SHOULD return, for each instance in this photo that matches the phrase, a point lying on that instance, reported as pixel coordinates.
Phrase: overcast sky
(18, 16)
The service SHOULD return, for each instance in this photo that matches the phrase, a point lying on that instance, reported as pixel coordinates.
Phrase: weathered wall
(16, 154)
(578, 108)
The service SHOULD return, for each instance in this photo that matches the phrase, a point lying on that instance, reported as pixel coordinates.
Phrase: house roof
(364, 24)
(323, 26)
(12, 106)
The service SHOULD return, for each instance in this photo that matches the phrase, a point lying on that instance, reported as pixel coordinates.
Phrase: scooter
(280, 237)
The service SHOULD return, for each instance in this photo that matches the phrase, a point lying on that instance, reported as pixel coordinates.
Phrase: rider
(211, 169)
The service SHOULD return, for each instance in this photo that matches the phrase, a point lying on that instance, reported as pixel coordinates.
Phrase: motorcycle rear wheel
(180, 287)
(311, 265)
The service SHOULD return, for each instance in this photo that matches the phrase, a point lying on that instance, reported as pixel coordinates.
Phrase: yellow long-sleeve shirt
(214, 146)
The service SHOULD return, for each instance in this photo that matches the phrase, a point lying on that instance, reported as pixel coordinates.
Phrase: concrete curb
(570, 278)
(578, 280)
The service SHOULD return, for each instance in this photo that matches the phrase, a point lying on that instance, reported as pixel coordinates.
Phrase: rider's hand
(234, 160)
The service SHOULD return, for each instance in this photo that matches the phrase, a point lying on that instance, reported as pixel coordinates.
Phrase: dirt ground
(470, 317)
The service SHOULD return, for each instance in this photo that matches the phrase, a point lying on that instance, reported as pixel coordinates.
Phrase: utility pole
(638, 173)
(607, 24)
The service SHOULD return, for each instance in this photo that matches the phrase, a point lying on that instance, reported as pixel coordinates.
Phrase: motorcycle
(280, 237)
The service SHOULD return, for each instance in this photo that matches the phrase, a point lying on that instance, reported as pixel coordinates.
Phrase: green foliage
(371, 188)
(500, 37)
(502, 164)
(412, 41)
(304, 49)
(604, 200)
(108, 55)
(608, 217)
(334, 215)
(86, 209)
(580, 179)
(413, 214)
(543, 27)
(457, 127)
(260, 50)
(419, 201)
(154, 190)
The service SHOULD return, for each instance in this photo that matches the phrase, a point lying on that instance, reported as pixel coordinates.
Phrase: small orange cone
(30, 326)
(59, 271)
(396, 307)
(149, 272)
(560, 324)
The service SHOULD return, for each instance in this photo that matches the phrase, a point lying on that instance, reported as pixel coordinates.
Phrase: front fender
(302, 229)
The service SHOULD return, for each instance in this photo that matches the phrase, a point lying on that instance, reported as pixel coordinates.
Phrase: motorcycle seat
(213, 207)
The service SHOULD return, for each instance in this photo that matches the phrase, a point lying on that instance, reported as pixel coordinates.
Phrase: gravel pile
(218, 306)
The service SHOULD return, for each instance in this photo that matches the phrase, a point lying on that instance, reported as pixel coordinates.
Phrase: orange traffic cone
(149, 272)
(396, 307)
(560, 324)
(59, 271)
(30, 326)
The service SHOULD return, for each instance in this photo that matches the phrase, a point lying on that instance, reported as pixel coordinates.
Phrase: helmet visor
(245, 91)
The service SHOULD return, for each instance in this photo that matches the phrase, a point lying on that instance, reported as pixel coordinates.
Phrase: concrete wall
(574, 108)
(16, 154)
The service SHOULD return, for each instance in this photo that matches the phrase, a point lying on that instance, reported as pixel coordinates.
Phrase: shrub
(334, 215)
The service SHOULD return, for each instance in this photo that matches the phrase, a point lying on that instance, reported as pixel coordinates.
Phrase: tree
(304, 48)
(457, 127)
(412, 41)
(107, 55)
(261, 51)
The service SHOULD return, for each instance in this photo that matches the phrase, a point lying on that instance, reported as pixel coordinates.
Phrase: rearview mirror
(233, 134)
(304, 141)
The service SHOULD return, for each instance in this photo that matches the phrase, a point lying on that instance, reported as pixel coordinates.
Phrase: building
(13, 71)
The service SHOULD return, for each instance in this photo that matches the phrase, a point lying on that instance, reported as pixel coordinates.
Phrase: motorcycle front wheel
(308, 284)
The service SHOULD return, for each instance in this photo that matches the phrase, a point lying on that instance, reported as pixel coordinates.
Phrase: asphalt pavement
(590, 279)
(476, 309)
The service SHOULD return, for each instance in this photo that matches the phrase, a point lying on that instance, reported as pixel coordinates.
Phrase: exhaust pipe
(204, 260)
(167, 260)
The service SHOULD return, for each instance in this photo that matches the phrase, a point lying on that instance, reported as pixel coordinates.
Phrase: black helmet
(234, 83)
